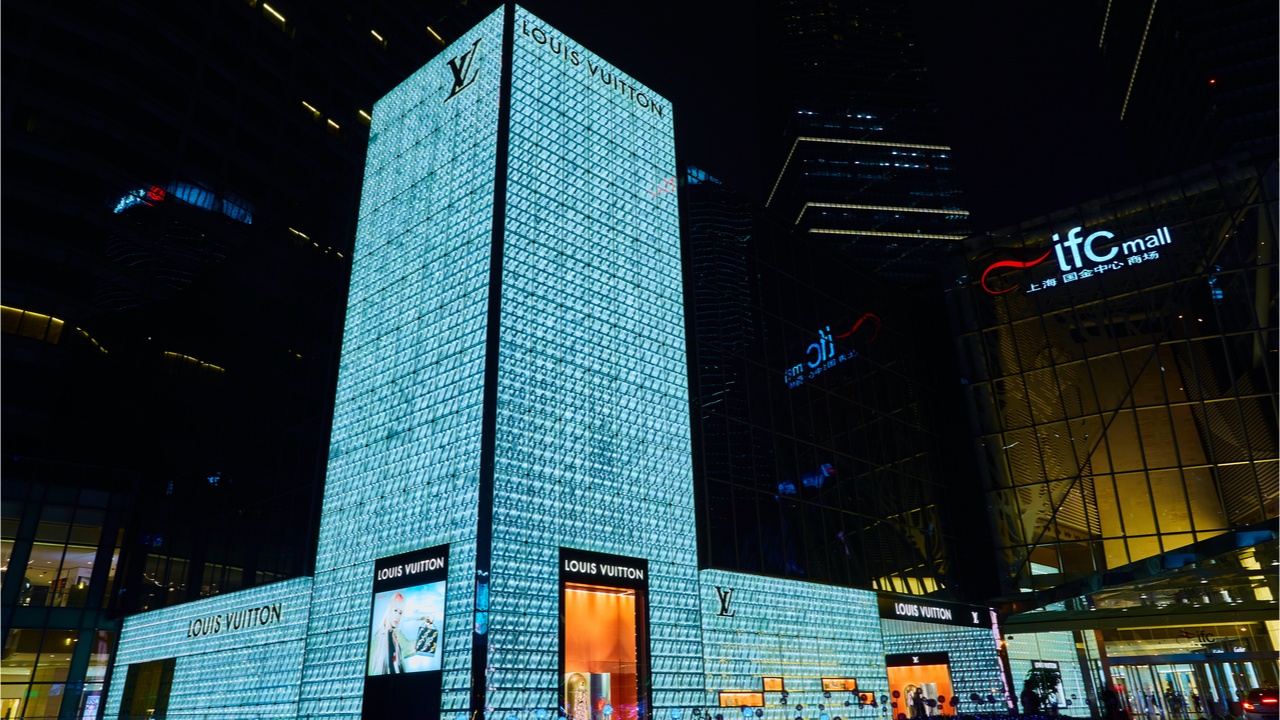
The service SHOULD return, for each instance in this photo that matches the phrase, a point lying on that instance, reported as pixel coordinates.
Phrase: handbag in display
(427, 638)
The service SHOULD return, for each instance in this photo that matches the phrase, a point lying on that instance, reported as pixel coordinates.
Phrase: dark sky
(1035, 126)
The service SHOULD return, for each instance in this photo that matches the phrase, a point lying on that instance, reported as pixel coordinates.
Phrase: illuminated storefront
(512, 403)
(1120, 366)
(940, 657)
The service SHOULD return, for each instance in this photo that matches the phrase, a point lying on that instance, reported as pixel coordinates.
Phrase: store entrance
(1184, 691)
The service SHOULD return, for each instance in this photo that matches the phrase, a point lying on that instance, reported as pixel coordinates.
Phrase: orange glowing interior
(906, 679)
(600, 640)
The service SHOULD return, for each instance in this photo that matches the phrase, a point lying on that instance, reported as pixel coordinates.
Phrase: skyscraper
(180, 191)
(1195, 81)
(822, 447)
(864, 161)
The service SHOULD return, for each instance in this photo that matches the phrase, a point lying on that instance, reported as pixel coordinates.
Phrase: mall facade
(1119, 360)
(508, 525)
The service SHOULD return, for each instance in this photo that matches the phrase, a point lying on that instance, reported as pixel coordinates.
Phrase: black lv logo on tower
(726, 597)
(464, 70)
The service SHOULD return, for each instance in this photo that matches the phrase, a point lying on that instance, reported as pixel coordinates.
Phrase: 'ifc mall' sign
(1083, 256)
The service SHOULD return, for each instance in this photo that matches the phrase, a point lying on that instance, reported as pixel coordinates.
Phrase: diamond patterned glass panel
(755, 627)
(238, 655)
(593, 415)
(405, 452)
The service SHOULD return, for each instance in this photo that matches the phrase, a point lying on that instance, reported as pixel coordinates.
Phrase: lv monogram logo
(726, 597)
(464, 70)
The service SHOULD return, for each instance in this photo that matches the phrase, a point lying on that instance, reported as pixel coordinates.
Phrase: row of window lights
(332, 125)
(382, 42)
(279, 20)
(47, 328)
(284, 25)
(304, 236)
(44, 327)
(39, 326)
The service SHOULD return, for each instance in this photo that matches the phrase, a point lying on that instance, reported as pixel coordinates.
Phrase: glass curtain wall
(1126, 408)
(61, 548)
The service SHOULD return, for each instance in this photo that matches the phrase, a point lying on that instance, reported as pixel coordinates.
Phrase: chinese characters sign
(1081, 257)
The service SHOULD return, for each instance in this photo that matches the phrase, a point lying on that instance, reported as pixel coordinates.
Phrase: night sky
(1035, 126)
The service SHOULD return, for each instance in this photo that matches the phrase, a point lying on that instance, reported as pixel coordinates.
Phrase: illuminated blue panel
(1026, 649)
(593, 413)
(239, 655)
(755, 627)
(974, 666)
(404, 457)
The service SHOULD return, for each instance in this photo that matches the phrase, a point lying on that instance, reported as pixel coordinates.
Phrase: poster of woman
(405, 635)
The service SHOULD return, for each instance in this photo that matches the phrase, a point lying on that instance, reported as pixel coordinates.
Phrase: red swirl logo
(1011, 264)
(857, 323)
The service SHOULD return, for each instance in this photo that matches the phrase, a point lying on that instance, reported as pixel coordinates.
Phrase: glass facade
(1120, 364)
(820, 404)
(238, 655)
(784, 640)
(592, 400)
(1127, 405)
(404, 459)
(61, 548)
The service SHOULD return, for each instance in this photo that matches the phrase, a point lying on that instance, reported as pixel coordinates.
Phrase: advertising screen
(920, 685)
(406, 630)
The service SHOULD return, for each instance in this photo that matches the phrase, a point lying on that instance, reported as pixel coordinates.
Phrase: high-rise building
(180, 192)
(1195, 81)
(1120, 360)
(865, 163)
(822, 447)
(513, 380)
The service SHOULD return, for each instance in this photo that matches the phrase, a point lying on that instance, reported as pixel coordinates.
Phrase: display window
(741, 699)
(839, 684)
(920, 685)
(604, 634)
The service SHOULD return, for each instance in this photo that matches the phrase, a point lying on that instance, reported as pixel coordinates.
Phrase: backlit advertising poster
(406, 631)
(604, 638)
(920, 685)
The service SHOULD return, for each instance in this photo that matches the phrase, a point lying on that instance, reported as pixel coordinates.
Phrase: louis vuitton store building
(508, 526)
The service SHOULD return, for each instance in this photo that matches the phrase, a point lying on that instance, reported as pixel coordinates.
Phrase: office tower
(513, 381)
(821, 402)
(864, 159)
(1121, 366)
(180, 191)
(1195, 81)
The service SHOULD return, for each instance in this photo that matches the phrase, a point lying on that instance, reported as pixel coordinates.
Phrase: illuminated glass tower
(512, 397)
(866, 165)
